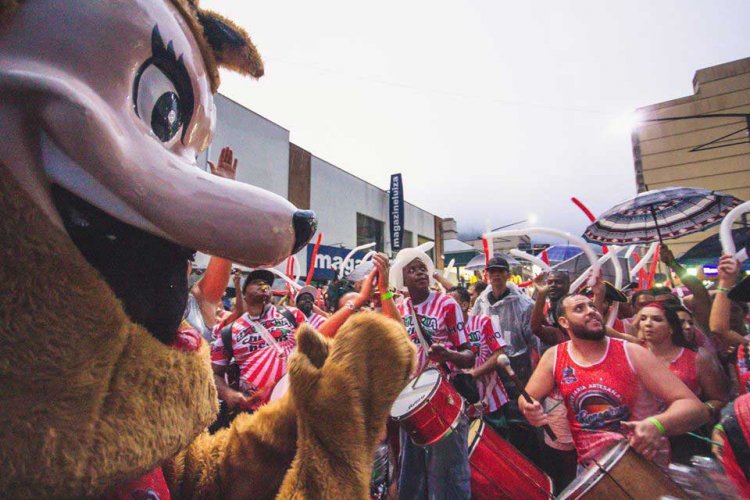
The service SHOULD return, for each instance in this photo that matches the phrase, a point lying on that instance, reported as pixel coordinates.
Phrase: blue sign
(396, 209)
(329, 260)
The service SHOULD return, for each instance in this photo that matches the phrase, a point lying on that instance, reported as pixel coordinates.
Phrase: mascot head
(107, 106)
(104, 108)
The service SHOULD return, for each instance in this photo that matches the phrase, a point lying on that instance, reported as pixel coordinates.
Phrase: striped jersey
(261, 364)
(440, 320)
(485, 341)
(315, 320)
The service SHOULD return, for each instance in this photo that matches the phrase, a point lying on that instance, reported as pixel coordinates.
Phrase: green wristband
(386, 295)
(723, 290)
(658, 425)
(720, 428)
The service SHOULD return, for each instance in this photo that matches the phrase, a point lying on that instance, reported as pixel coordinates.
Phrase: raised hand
(382, 265)
(227, 166)
(728, 270)
(540, 283)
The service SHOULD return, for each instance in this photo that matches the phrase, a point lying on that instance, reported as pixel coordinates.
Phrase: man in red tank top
(609, 388)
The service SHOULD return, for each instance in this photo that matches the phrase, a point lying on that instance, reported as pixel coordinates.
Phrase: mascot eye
(158, 103)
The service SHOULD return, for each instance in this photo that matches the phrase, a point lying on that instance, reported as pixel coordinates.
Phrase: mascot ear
(222, 42)
(231, 44)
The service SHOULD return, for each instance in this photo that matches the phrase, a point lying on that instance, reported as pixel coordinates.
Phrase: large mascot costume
(104, 106)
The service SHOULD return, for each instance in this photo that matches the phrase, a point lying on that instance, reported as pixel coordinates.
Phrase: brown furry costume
(90, 399)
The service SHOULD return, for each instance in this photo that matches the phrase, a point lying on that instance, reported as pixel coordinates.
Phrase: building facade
(350, 211)
(707, 146)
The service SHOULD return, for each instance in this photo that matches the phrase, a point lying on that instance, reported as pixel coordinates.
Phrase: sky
(494, 111)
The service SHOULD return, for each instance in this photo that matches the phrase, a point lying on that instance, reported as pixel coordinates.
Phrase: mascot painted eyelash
(104, 107)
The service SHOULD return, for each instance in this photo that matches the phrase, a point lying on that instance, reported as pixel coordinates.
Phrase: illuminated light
(692, 271)
(532, 218)
(710, 271)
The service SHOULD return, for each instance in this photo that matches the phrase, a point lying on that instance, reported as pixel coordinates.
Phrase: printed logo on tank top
(569, 375)
(598, 407)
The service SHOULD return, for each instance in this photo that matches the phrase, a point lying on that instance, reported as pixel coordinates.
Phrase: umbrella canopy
(660, 214)
(477, 263)
(559, 253)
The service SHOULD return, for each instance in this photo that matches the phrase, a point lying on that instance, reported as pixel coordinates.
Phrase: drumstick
(504, 362)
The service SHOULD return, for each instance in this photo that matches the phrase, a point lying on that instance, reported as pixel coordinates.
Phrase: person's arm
(701, 302)
(550, 335)
(232, 398)
(463, 356)
(611, 332)
(720, 310)
(239, 303)
(438, 275)
(210, 288)
(334, 322)
(684, 411)
(387, 304)
(713, 383)
(540, 384)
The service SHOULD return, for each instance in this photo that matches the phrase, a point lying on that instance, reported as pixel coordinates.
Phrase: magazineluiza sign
(329, 260)
(396, 210)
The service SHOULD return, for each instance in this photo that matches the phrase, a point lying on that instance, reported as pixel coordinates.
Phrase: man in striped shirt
(440, 470)
(262, 339)
(305, 302)
(487, 345)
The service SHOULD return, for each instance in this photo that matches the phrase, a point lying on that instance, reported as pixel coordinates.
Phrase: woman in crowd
(663, 334)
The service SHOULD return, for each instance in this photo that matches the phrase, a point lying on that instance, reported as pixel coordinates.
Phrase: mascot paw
(343, 390)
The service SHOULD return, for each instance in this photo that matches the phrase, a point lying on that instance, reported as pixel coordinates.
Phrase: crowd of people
(660, 371)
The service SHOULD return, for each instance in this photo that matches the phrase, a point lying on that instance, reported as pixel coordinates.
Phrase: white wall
(261, 146)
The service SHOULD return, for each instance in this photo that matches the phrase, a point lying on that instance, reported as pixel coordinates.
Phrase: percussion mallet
(504, 362)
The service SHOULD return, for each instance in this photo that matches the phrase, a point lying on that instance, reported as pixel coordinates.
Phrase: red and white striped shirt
(315, 320)
(261, 364)
(485, 341)
(440, 320)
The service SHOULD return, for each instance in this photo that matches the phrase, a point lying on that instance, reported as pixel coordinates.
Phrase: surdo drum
(499, 470)
(428, 408)
(621, 473)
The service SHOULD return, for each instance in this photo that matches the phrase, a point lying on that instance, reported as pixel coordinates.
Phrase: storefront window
(369, 230)
(408, 239)
(424, 239)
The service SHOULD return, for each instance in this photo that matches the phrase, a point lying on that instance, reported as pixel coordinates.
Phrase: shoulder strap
(289, 316)
(226, 339)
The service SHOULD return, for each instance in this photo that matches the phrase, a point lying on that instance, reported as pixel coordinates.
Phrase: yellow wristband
(658, 425)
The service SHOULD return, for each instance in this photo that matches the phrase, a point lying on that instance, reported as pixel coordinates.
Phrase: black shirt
(492, 299)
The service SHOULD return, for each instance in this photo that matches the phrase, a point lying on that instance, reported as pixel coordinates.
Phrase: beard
(585, 333)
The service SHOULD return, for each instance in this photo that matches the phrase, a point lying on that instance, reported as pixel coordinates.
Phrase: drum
(428, 408)
(622, 473)
(281, 388)
(499, 470)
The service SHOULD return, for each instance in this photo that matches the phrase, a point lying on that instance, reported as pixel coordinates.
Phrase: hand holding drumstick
(532, 410)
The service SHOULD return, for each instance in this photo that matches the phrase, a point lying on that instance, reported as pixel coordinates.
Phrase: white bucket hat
(396, 274)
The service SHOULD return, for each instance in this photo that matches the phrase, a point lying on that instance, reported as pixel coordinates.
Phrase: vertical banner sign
(396, 209)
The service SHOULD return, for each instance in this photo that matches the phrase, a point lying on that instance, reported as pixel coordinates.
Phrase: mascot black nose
(305, 224)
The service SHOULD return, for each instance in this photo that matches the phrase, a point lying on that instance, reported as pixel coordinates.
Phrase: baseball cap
(497, 263)
(261, 274)
(307, 289)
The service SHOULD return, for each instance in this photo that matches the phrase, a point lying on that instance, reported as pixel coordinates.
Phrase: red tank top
(600, 396)
(684, 366)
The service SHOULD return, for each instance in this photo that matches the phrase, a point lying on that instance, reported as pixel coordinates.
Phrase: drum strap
(418, 329)
(267, 337)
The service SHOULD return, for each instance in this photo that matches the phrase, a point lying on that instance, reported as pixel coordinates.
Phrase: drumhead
(281, 387)
(417, 391)
(586, 480)
(475, 433)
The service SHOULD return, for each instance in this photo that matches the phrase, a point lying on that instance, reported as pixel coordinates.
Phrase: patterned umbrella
(660, 214)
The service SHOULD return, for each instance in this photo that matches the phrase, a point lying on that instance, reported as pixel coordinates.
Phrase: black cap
(261, 274)
(497, 263)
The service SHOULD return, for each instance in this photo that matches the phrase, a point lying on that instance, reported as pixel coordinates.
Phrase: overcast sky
(491, 110)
